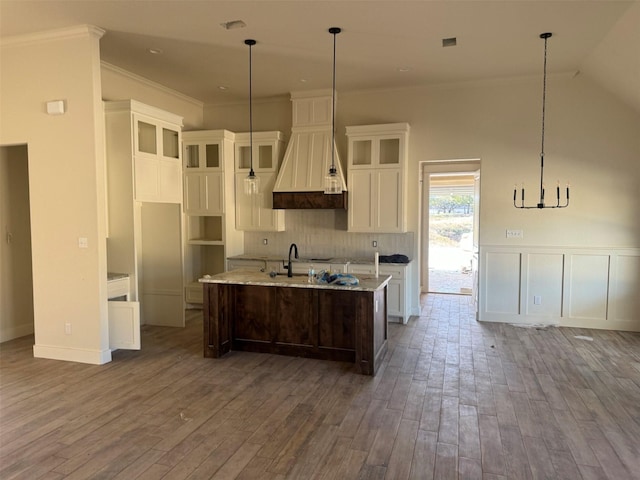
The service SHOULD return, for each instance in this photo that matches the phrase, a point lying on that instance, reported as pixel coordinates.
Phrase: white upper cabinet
(206, 154)
(255, 212)
(149, 138)
(377, 177)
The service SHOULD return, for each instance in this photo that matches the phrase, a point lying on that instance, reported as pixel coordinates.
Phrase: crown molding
(151, 84)
(53, 35)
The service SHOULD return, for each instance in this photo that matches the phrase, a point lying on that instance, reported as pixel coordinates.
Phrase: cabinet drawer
(394, 271)
(368, 269)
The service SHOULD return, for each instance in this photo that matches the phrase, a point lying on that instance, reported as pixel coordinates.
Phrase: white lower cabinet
(124, 325)
(398, 301)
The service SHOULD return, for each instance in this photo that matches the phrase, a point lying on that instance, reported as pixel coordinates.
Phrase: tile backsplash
(323, 233)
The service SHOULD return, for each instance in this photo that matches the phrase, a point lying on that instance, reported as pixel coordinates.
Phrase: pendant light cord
(544, 103)
(250, 110)
(334, 31)
(250, 43)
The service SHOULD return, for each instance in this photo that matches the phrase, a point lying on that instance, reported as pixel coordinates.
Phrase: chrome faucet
(293, 247)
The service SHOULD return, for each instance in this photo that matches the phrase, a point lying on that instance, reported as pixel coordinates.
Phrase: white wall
(592, 141)
(66, 185)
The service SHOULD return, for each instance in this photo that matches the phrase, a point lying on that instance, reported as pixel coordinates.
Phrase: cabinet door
(170, 180)
(255, 213)
(361, 200)
(203, 193)
(124, 325)
(147, 185)
(269, 220)
(193, 193)
(394, 298)
(389, 202)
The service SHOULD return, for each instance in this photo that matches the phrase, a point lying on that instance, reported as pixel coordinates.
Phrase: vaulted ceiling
(384, 44)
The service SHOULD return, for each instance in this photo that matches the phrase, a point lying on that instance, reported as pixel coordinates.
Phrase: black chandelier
(541, 203)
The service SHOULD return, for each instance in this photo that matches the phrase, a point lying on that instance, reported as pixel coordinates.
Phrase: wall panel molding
(576, 287)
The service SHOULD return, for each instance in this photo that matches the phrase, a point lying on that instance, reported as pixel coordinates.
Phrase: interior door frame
(471, 166)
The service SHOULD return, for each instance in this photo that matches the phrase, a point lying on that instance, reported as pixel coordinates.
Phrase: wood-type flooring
(454, 398)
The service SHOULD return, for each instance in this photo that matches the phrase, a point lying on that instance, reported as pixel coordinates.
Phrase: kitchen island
(252, 311)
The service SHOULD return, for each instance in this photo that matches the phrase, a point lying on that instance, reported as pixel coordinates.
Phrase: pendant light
(332, 182)
(541, 204)
(251, 182)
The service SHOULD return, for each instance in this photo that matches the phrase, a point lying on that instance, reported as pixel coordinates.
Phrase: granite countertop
(116, 276)
(367, 283)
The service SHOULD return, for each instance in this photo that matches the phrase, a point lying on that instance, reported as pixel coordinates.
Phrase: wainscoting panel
(577, 287)
(625, 297)
(502, 272)
(543, 284)
(588, 286)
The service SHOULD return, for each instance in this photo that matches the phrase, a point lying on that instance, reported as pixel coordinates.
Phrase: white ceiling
(379, 38)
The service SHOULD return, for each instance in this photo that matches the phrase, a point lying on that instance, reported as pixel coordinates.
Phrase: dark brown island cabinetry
(288, 318)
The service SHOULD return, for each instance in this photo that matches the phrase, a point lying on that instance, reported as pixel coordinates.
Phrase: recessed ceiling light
(222, 87)
(233, 24)
(155, 51)
(303, 80)
(449, 42)
(404, 69)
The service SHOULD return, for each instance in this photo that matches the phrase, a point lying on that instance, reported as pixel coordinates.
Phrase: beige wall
(66, 185)
(118, 84)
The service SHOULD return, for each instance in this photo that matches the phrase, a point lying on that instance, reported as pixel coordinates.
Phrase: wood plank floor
(453, 399)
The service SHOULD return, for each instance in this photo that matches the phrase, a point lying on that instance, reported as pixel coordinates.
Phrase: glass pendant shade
(332, 182)
(252, 184)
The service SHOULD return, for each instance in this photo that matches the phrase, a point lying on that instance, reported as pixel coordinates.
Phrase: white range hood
(307, 159)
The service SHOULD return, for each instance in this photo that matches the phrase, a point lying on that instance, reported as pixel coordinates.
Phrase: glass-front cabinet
(255, 212)
(377, 171)
(209, 206)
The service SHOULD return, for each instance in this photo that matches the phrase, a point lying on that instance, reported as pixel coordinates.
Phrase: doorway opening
(16, 278)
(449, 226)
(451, 212)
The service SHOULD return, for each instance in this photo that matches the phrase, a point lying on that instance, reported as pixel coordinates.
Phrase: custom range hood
(307, 159)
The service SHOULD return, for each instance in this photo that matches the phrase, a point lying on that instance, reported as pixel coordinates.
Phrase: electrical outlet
(537, 300)
(67, 328)
(83, 242)
(515, 234)
(265, 241)
(374, 244)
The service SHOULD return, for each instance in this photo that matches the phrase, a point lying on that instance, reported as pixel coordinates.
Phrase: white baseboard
(80, 355)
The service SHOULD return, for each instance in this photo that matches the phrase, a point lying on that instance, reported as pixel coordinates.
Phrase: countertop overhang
(367, 283)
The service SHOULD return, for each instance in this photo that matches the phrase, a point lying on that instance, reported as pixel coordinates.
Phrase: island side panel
(379, 327)
(296, 322)
(216, 320)
(337, 311)
(253, 318)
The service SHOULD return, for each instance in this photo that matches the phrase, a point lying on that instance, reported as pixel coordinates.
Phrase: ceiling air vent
(449, 42)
